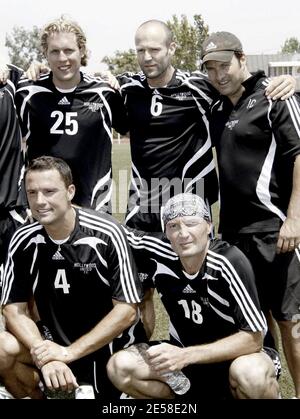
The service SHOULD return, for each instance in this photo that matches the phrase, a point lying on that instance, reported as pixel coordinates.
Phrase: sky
(262, 25)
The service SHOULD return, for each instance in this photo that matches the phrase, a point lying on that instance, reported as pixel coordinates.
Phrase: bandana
(185, 204)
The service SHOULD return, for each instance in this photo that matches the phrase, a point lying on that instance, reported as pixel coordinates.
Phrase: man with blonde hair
(70, 115)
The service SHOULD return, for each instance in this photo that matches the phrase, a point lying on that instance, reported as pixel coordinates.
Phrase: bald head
(153, 29)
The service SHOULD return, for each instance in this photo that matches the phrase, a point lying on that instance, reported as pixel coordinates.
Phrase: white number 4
(71, 123)
(61, 281)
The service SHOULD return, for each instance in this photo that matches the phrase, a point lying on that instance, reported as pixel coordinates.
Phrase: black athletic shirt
(11, 158)
(216, 302)
(257, 141)
(75, 126)
(73, 283)
(170, 143)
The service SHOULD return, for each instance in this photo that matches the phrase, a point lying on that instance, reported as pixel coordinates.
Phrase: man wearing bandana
(216, 324)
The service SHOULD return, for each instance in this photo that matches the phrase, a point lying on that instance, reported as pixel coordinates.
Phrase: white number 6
(156, 106)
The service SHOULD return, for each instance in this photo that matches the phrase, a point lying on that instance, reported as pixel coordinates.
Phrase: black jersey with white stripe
(216, 302)
(170, 143)
(257, 141)
(75, 126)
(73, 283)
(11, 158)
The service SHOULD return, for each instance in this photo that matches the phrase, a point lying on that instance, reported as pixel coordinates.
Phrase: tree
(122, 61)
(291, 46)
(189, 39)
(23, 46)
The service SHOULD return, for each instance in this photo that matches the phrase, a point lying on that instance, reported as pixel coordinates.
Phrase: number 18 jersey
(217, 301)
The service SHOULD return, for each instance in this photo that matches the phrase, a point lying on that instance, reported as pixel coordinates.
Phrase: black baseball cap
(220, 46)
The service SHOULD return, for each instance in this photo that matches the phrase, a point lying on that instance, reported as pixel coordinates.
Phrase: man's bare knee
(120, 368)
(19, 377)
(11, 350)
(253, 377)
(7, 350)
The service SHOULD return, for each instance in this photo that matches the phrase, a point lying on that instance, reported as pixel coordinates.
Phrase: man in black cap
(258, 147)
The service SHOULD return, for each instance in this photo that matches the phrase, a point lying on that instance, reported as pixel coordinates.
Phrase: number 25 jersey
(75, 125)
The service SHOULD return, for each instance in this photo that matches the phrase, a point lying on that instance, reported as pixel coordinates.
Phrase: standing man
(258, 148)
(169, 140)
(70, 115)
(216, 325)
(170, 145)
(78, 267)
(11, 164)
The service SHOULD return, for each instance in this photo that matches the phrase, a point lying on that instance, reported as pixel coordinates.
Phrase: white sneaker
(125, 396)
(4, 394)
(84, 392)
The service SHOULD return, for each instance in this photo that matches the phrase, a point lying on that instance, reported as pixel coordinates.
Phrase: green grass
(121, 168)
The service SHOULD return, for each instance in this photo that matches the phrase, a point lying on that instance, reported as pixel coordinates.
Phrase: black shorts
(90, 369)
(208, 381)
(277, 275)
(211, 381)
(274, 355)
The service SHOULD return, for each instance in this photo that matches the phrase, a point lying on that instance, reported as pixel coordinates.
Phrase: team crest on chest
(181, 95)
(143, 276)
(251, 103)
(231, 124)
(93, 106)
(204, 301)
(85, 267)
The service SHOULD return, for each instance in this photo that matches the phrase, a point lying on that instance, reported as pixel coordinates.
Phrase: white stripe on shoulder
(255, 319)
(294, 109)
(150, 244)
(113, 230)
(22, 233)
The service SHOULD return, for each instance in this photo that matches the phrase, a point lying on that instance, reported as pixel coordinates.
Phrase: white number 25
(71, 125)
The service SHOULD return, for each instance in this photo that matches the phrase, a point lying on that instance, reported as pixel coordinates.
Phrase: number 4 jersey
(74, 282)
(75, 125)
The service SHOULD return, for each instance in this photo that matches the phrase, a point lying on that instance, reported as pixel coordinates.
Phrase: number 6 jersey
(170, 144)
(75, 125)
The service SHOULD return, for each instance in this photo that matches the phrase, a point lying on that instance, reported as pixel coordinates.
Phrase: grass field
(121, 168)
